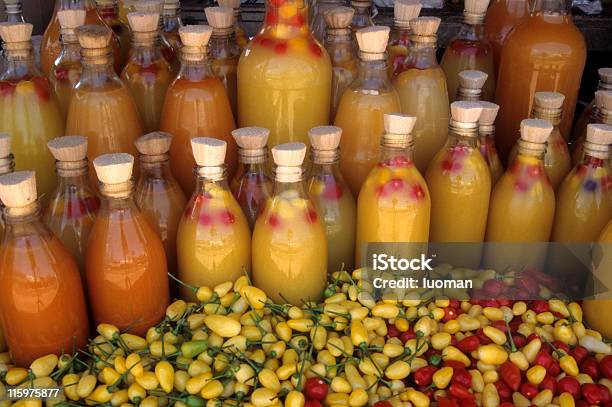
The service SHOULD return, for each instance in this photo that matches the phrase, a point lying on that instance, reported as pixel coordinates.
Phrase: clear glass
(289, 247)
(502, 17)
(225, 53)
(362, 17)
(597, 117)
(251, 187)
(336, 207)
(125, 259)
(360, 115)
(421, 86)
(343, 55)
(284, 80)
(65, 74)
(489, 153)
(41, 295)
(110, 15)
(162, 201)
(170, 35)
(318, 26)
(397, 50)
(214, 239)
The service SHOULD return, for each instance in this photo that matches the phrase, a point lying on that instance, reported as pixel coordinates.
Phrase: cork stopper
(233, 4)
(472, 79)
(465, 115)
(535, 130)
(474, 11)
(605, 75)
(372, 42)
(156, 143)
(68, 148)
(424, 29)
(325, 137)
(549, 100)
(5, 145)
(208, 152)
(149, 6)
(70, 19)
(251, 138)
(114, 169)
(94, 36)
(489, 114)
(599, 134)
(404, 11)
(220, 18)
(397, 123)
(143, 22)
(195, 36)
(339, 18)
(289, 155)
(16, 32)
(18, 189)
(603, 99)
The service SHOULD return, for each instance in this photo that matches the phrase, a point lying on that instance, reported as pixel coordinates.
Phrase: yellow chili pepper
(222, 325)
(100, 395)
(256, 297)
(340, 385)
(493, 314)
(385, 310)
(492, 354)
(150, 401)
(452, 353)
(269, 380)
(165, 375)
(295, 399)
(358, 398)
(69, 383)
(15, 375)
(263, 397)
(359, 335)
(536, 374)
(494, 334)
(108, 331)
(212, 389)
(490, 397)
(44, 366)
(110, 376)
(148, 381)
(531, 349)
(417, 398)
(136, 393)
(301, 325)
(566, 400)
(86, 385)
(442, 377)
(568, 365)
(134, 342)
(543, 398)
(519, 359)
(398, 370)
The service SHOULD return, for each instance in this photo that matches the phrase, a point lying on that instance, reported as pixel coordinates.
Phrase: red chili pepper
(580, 354)
(392, 331)
(506, 404)
(494, 287)
(546, 347)
(606, 393)
(423, 376)
(605, 366)
(505, 302)
(468, 403)
(406, 336)
(570, 385)
(482, 338)
(454, 304)
(313, 403)
(554, 369)
(445, 402)
(459, 391)
(539, 306)
(468, 344)
(562, 346)
(455, 364)
(593, 393)
(511, 375)
(582, 403)
(591, 367)
(315, 389)
(549, 383)
(529, 390)
(450, 313)
(382, 403)
(519, 339)
(504, 392)
(531, 337)
(489, 303)
(501, 325)
(543, 359)
(462, 377)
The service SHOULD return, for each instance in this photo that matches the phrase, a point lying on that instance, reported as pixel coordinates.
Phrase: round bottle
(502, 17)
(486, 135)
(241, 37)
(399, 38)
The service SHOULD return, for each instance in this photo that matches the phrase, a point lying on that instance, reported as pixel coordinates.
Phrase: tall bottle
(584, 200)
(332, 198)
(284, 76)
(486, 135)
(147, 74)
(102, 108)
(502, 17)
(41, 295)
(171, 22)
(214, 239)
(125, 261)
(109, 12)
(399, 38)
(394, 204)
(546, 52)
(196, 103)
(522, 204)
(601, 113)
(241, 36)
(224, 51)
(158, 195)
(363, 15)
(289, 245)
(470, 85)
(73, 206)
(67, 68)
(470, 49)
(319, 24)
(341, 50)
(605, 83)
(422, 91)
(165, 47)
(557, 161)
(29, 110)
(251, 184)
(362, 107)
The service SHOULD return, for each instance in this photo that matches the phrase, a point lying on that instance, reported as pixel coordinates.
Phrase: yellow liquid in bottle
(344, 68)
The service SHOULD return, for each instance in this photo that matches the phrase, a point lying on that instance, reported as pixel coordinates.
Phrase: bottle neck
(551, 7)
(602, 115)
(598, 151)
(250, 168)
(117, 192)
(290, 19)
(154, 166)
(145, 48)
(29, 214)
(472, 32)
(69, 181)
(7, 164)
(222, 38)
(551, 115)
(422, 52)
(325, 157)
(97, 66)
(19, 61)
(373, 74)
(14, 13)
(71, 169)
(469, 95)
(363, 14)
(296, 186)
(399, 155)
(463, 137)
(71, 52)
(486, 130)
(530, 149)
(208, 177)
(602, 85)
(338, 36)
(473, 19)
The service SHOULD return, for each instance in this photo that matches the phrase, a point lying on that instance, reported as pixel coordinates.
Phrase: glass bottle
(605, 83)
(73, 205)
(224, 51)
(171, 22)
(158, 195)
(289, 244)
(470, 85)
(66, 70)
(214, 239)
(486, 135)
(601, 113)
(109, 12)
(394, 203)
(319, 26)
(502, 17)
(332, 198)
(196, 103)
(546, 52)
(363, 15)
(166, 48)
(241, 37)
(284, 76)
(399, 38)
(342, 53)
(41, 296)
(125, 256)
(470, 49)
(30, 112)
(13, 10)
(251, 184)
(522, 204)
(584, 200)
(557, 161)
(147, 74)
(362, 106)
(7, 165)
(422, 91)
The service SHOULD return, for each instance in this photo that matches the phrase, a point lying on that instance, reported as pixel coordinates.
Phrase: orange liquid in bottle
(6, 165)
(486, 133)
(125, 260)
(502, 17)
(108, 10)
(41, 296)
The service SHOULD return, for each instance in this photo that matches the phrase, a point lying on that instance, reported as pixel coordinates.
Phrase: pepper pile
(235, 347)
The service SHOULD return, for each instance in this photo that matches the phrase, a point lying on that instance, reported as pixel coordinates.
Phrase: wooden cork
(489, 113)
(195, 35)
(605, 75)
(325, 137)
(156, 143)
(397, 123)
(599, 134)
(68, 148)
(535, 130)
(18, 189)
(16, 32)
(406, 10)
(251, 138)
(143, 21)
(603, 99)
(466, 112)
(373, 40)
(208, 152)
(71, 18)
(549, 100)
(425, 26)
(472, 79)
(149, 6)
(289, 154)
(114, 168)
(5, 145)
(476, 6)
(220, 17)
(94, 36)
(339, 17)
(233, 4)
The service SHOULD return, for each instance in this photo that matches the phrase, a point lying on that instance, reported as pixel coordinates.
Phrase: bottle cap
(18, 189)
(68, 148)
(5, 145)
(474, 11)
(289, 154)
(251, 138)
(220, 17)
(156, 143)
(149, 6)
(143, 22)
(94, 36)
(489, 113)
(599, 134)
(535, 130)
(208, 152)
(16, 32)
(465, 112)
(195, 35)
(397, 123)
(70, 19)
(424, 29)
(605, 75)
(339, 17)
(406, 10)
(114, 169)
(549, 100)
(372, 42)
(472, 79)
(325, 137)
(603, 99)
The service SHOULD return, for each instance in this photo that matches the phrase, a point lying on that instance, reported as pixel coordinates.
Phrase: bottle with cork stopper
(421, 85)
(73, 205)
(241, 37)
(252, 185)
(14, 12)
(601, 113)
(102, 108)
(557, 161)
(394, 204)
(332, 197)
(7, 164)
(155, 7)
(36, 267)
(605, 83)
(486, 135)
(224, 50)
(362, 106)
(196, 103)
(125, 260)
(158, 195)
(502, 16)
(147, 74)
(399, 38)
(171, 22)
(341, 49)
(66, 69)
(109, 12)
(214, 239)
(30, 112)
(470, 85)
(362, 17)
(470, 49)
(319, 23)
(289, 244)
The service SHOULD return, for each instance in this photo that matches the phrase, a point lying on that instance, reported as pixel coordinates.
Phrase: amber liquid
(502, 17)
